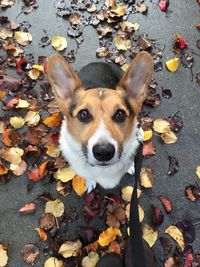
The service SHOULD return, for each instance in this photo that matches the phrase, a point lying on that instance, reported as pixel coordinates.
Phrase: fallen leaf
(121, 43)
(53, 262)
(13, 154)
(192, 193)
(63, 188)
(149, 149)
(22, 103)
(157, 216)
(53, 121)
(18, 169)
(163, 5)
(30, 254)
(32, 118)
(34, 74)
(3, 169)
(161, 126)
(108, 236)
(70, 248)
(129, 25)
(173, 165)
(90, 260)
(166, 202)
(2, 127)
(148, 135)
(41, 234)
(172, 64)
(3, 256)
(176, 234)
(141, 8)
(180, 43)
(36, 174)
(198, 171)
(59, 43)
(176, 123)
(65, 174)
(7, 3)
(53, 151)
(28, 209)
(56, 207)
(17, 122)
(146, 177)
(78, 184)
(166, 244)
(149, 235)
(169, 138)
(47, 221)
(127, 193)
(143, 43)
(23, 38)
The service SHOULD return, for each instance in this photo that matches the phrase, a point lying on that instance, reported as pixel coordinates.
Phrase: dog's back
(100, 74)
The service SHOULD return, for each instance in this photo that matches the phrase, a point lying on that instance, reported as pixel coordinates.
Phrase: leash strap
(136, 243)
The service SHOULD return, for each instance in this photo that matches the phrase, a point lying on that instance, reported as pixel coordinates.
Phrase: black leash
(136, 243)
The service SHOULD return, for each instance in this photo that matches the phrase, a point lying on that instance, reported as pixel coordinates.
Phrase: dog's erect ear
(64, 81)
(136, 79)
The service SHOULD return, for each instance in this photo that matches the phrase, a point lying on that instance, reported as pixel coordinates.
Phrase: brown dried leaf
(47, 221)
(146, 177)
(30, 254)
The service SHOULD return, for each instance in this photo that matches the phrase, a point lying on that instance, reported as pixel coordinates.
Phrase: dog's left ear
(64, 81)
(136, 79)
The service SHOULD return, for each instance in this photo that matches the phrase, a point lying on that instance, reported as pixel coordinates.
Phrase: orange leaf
(5, 137)
(2, 94)
(41, 234)
(108, 236)
(53, 121)
(42, 168)
(92, 247)
(28, 209)
(114, 247)
(78, 184)
(3, 170)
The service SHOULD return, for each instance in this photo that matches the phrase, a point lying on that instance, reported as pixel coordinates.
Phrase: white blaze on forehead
(101, 136)
(101, 92)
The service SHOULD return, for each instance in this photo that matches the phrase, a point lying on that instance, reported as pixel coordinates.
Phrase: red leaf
(21, 64)
(28, 209)
(167, 204)
(11, 103)
(157, 216)
(5, 137)
(163, 5)
(149, 149)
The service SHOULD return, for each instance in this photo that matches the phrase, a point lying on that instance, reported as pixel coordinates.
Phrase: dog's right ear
(64, 81)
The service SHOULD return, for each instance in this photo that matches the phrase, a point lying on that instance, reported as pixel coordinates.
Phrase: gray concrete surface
(17, 230)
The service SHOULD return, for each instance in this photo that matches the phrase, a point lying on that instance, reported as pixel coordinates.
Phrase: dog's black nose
(104, 152)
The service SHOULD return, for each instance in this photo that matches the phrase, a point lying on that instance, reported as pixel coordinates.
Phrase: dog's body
(100, 134)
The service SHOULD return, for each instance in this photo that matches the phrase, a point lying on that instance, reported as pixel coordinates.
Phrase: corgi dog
(100, 134)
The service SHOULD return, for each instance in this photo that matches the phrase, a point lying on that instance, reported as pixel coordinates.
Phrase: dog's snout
(103, 152)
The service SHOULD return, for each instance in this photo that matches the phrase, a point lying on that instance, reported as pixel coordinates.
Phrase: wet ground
(17, 230)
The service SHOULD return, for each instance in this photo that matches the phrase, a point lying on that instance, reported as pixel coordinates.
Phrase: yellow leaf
(125, 67)
(161, 126)
(32, 118)
(129, 25)
(169, 138)
(127, 193)
(38, 67)
(78, 184)
(13, 154)
(172, 64)
(41, 234)
(17, 122)
(148, 135)
(149, 235)
(23, 38)
(108, 236)
(90, 260)
(56, 207)
(3, 256)
(53, 151)
(121, 43)
(176, 234)
(146, 177)
(53, 262)
(65, 174)
(59, 43)
(34, 74)
(53, 121)
(22, 103)
(198, 171)
(70, 248)
(118, 10)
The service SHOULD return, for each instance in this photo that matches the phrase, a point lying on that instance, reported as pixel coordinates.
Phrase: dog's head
(101, 120)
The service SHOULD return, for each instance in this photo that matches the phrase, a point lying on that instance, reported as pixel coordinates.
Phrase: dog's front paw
(90, 185)
(131, 170)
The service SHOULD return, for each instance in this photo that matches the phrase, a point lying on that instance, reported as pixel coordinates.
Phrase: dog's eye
(84, 116)
(119, 116)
